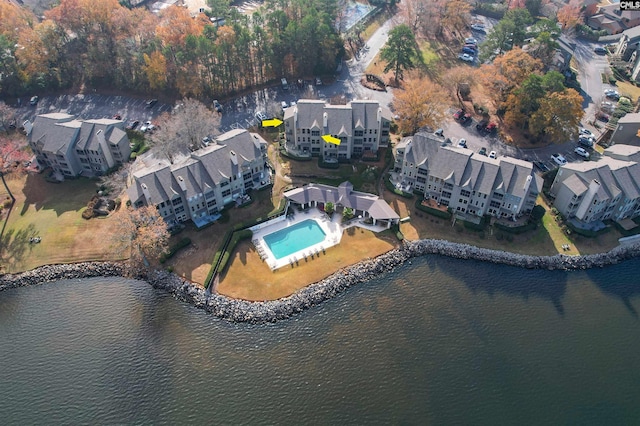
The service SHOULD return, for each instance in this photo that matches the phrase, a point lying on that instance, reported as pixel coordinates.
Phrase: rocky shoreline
(236, 310)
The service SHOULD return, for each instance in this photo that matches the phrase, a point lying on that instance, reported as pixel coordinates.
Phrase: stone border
(236, 310)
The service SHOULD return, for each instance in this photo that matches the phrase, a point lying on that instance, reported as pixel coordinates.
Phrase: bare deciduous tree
(184, 128)
(144, 232)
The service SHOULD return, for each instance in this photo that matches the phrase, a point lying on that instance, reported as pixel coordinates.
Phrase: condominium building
(608, 188)
(465, 181)
(74, 147)
(210, 178)
(362, 127)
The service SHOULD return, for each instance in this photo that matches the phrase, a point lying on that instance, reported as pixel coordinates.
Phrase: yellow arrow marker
(331, 139)
(274, 122)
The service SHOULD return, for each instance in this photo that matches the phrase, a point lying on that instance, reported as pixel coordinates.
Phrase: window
(211, 203)
(358, 133)
(179, 209)
(446, 194)
(315, 133)
(448, 186)
(498, 195)
(495, 204)
(223, 184)
(176, 201)
(465, 193)
(226, 192)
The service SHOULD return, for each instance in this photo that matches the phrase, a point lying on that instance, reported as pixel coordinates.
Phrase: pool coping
(331, 226)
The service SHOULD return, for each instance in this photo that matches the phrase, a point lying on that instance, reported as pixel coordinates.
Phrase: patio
(332, 227)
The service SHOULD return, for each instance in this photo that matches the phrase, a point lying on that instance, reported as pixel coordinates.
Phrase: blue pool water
(294, 238)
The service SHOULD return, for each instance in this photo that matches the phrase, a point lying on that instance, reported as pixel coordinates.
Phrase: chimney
(379, 115)
(234, 157)
(183, 186)
(146, 193)
(325, 119)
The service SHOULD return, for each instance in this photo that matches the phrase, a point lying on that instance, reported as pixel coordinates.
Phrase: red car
(458, 114)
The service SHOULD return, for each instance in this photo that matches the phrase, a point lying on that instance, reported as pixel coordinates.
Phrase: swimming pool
(294, 238)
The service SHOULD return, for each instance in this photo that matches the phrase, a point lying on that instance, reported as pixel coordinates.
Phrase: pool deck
(332, 227)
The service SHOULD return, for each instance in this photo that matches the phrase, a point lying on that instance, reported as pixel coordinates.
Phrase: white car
(493, 155)
(586, 132)
(581, 152)
(147, 127)
(465, 57)
(284, 105)
(470, 40)
(559, 159)
(478, 27)
(462, 143)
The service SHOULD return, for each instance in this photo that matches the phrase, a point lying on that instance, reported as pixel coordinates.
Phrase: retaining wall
(236, 310)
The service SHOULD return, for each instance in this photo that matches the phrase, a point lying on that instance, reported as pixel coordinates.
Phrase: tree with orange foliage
(570, 15)
(14, 19)
(156, 70)
(460, 79)
(176, 24)
(420, 103)
(508, 72)
(558, 117)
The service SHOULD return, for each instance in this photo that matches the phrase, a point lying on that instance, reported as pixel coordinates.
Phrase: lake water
(440, 341)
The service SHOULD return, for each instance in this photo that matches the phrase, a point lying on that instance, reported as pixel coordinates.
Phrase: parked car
(587, 141)
(607, 107)
(318, 81)
(600, 50)
(465, 118)
(284, 105)
(470, 40)
(133, 124)
(612, 94)
(117, 117)
(151, 102)
(217, 106)
(478, 27)
(559, 159)
(459, 113)
(462, 143)
(439, 132)
(468, 51)
(261, 116)
(483, 151)
(541, 166)
(493, 155)
(581, 152)
(34, 100)
(586, 132)
(284, 83)
(466, 57)
(206, 141)
(147, 127)
(473, 47)
(602, 117)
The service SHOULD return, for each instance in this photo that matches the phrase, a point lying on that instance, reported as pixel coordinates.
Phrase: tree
(329, 208)
(144, 232)
(456, 15)
(13, 151)
(7, 116)
(459, 81)
(400, 51)
(558, 117)
(570, 15)
(184, 128)
(116, 182)
(507, 73)
(420, 103)
(347, 213)
(510, 31)
(156, 70)
(543, 48)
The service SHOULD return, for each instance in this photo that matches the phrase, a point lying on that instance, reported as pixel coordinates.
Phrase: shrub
(400, 236)
(537, 213)
(174, 249)
(133, 156)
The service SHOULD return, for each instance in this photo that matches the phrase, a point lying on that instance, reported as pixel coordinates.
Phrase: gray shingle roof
(345, 196)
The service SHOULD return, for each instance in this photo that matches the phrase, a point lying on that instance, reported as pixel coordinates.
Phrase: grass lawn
(546, 240)
(53, 213)
(627, 89)
(248, 277)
